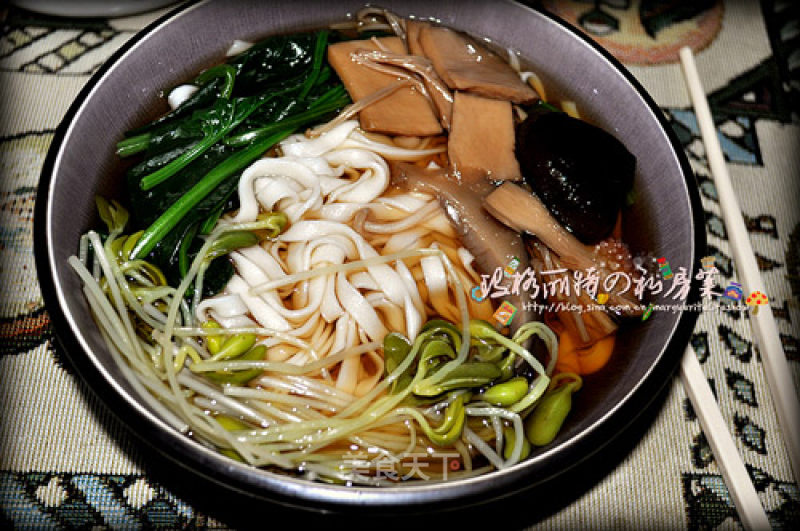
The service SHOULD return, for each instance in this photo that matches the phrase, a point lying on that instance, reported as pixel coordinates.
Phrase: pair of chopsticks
(773, 359)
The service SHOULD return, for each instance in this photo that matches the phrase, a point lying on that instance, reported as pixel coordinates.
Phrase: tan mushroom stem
(524, 212)
(369, 19)
(589, 318)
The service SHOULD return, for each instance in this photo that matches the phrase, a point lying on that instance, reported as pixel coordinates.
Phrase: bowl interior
(660, 223)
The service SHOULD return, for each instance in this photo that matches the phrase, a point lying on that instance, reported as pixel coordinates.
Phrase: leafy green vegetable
(215, 123)
(272, 62)
(175, 213)
(295, 120)
(192, 156)
(205, 96)
(320, 44)
(225, 72)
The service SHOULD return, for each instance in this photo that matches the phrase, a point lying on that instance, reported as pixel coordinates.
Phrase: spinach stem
(337, 92)
(133, 145)
(224, 71)
(319, 52)
(183, 250)
(208, 224)
(292, 121)
(162, 174)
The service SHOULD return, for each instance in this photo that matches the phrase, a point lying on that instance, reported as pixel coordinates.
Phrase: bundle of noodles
(348, 270)
(289, 367)
(346, 340)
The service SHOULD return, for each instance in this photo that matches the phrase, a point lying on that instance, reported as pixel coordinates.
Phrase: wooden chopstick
(773, 359)
(745, 498)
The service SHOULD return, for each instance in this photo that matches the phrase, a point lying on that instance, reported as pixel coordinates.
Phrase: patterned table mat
(66, 463)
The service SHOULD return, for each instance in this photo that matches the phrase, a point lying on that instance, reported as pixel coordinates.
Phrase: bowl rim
(301, 493)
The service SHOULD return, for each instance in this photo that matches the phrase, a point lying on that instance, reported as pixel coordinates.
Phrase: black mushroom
(582, 173)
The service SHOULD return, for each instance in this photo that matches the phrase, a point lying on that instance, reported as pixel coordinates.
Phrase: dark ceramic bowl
(664, 221)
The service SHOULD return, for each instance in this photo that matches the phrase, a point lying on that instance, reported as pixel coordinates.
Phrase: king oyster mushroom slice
(490, 242)
(522, 211)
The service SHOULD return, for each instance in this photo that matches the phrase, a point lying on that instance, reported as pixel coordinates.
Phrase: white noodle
(320, 297)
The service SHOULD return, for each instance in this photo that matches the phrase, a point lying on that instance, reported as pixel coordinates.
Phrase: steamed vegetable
(551, 411)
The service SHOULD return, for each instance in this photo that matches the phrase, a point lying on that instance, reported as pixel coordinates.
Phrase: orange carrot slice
(584, 360)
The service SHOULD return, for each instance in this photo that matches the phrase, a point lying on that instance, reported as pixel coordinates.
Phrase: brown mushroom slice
(403, 65)
(524, 212)
(404, 112)
(481, 142)
(413, 29)
(464, 64)
(490, 242)
(590, 317)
